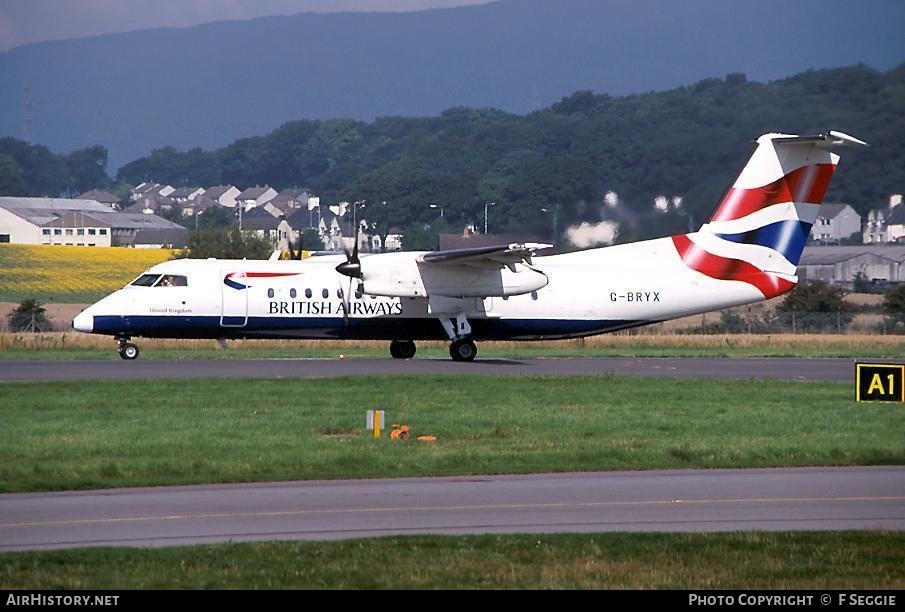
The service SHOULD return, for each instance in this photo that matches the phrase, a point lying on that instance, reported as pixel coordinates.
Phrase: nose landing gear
(126, 349)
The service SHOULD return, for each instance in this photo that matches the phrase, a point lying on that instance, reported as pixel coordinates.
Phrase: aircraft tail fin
(763, 220)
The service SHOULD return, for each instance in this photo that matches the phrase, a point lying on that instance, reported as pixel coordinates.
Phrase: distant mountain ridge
(208, 85)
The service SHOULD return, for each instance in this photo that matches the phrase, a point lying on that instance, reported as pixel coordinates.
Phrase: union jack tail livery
(762, 223)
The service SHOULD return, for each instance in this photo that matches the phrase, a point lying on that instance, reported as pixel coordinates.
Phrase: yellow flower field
(71, 273)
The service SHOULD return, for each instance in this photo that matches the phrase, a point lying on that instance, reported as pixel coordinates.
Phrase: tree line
(34, 170)
(554, 167)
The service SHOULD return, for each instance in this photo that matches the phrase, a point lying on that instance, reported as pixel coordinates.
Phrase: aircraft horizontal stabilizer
(831, 139)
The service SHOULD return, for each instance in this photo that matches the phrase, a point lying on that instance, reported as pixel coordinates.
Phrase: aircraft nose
(83, 322)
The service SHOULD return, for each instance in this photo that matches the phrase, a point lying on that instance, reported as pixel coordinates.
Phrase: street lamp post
(555, 211)
(438, 206)
(486, 205)
(355, 206)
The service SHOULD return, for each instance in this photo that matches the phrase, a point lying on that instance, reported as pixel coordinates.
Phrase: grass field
(70, 273)
(77, 435)
(801, 560)
(72, 345)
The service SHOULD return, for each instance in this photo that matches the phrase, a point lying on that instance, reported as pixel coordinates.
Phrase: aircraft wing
(491, 257)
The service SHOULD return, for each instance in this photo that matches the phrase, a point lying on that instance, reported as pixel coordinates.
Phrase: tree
(12, 183)
(29, 316)
(216, 217)
(227, 244)
(311, 240)
(815, 306)
(87, 169)
(861, 282)
(894, 307)
(420, 236)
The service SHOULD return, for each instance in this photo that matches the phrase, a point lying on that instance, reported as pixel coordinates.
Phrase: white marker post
(375, 421)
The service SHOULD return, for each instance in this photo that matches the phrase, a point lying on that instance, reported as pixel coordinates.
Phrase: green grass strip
(94, 434)
(799, 560)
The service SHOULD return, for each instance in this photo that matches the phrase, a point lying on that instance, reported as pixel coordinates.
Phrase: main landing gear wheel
(463, 350)
(128, 351)
(402, 349)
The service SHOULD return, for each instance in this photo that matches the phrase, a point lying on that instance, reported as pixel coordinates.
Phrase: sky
(28, 21)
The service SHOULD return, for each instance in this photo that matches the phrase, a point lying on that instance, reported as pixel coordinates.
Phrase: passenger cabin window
(325, 294)
(172, 280)
(145, 280)
(270, 293)
(308, 293)
(293, 293)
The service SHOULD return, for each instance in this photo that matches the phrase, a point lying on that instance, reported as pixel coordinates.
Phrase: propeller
(351, 268)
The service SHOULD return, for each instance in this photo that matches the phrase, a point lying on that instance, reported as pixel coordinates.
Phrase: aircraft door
(233, 299)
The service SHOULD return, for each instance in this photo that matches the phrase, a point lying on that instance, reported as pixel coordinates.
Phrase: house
(59, 221)
(224, 195)
(835, 223)
(393, 240)
(102, 196)
(330, 229)
(185, 194)
(150, 190)
(262, 224)
(150, 198)
(874, 228)
(298, 221)
(256, 196)
(287, 201)
(895, 224)
(886, 224)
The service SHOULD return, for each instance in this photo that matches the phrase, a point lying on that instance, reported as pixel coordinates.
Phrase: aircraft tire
(463, 350)
(129, 351)
(402, 349)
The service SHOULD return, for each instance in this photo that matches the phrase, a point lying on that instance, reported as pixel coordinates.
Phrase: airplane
(747, 252)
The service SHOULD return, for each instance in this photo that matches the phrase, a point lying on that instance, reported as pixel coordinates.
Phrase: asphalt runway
(674, 500)
(840, 370)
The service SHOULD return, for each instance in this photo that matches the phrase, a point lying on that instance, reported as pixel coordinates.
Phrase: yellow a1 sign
(880, 382)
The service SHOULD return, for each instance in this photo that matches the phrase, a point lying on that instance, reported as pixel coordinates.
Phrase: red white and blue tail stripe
(762, 223)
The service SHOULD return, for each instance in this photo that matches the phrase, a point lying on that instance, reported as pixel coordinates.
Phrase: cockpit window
(145, 280)
(172, 280)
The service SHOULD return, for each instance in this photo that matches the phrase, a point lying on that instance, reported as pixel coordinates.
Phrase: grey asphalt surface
(842, 370)
(673, 500)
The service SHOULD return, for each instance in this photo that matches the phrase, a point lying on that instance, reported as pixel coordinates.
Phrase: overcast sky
(27, 21)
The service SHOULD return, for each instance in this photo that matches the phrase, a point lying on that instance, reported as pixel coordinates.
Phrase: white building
(836, 222)
(60, 221)
(224, 195)
(256, 196)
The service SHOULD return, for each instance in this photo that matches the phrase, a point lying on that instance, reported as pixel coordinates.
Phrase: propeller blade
(352, 266)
